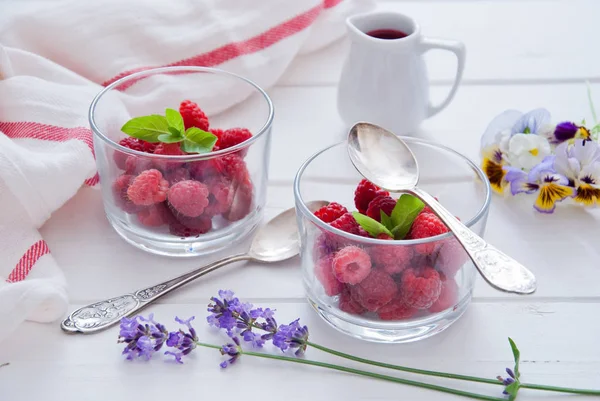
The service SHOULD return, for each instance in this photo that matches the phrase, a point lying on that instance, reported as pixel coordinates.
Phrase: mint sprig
(170, 128)
(372, 226)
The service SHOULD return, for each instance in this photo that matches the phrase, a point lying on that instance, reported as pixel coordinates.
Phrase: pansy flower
(550, 186)
(568, 131)
(580, 164)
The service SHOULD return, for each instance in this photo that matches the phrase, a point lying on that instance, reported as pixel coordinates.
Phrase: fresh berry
(346, 223)
(426, 225)
(391, 258)
(451, 257)
(168, 149)
(155, 215)
(348, 304)
(427, 209)
(203, 170)
(363, 233)
(135, 165)
(375, 291)
(380, 203)
(199, 225)
(420, 288)
(331, 212)
(180, 230)
(140, 145)
(351, 265)
(384, 236)
(365, 192)
(233, 167)
(120, 187)
(324, 246)
(235, 136)
(148, 188)
(193, 116)
(218, 133)
(176, 175)
(220, 198)
(448, 297)
(396, 309)
(188, 198)
(241, 204)
(324, 273)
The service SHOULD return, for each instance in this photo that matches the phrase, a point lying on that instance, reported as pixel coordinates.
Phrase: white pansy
(527, 150)
(502, 139)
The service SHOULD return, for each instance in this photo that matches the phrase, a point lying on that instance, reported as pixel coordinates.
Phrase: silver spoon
(276, 241)
(386, 160)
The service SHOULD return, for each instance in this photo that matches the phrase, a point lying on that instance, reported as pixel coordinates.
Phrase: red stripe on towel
(27, 261)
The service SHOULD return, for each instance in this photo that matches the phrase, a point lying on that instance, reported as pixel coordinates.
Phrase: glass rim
(374, 241)
(196, 157)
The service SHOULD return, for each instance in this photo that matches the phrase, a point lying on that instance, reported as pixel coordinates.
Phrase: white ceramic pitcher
(384, 81)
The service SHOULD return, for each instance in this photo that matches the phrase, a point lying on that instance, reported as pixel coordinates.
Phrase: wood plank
(556, 345)
(506, 41)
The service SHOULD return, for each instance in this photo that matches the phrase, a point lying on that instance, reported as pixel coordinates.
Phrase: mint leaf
(386, 220)
(192, 147)
(372, 226)
(168, 138)
(406, 210)
(202, 138)
(147, 128)
(175, 132)
(175, 120)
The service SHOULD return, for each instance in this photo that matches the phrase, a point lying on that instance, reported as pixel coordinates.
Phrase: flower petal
(586, 152)
(518, 181)
(500, 123)
(587, 195)
(532, 120)
(495, 174)
(549, 194)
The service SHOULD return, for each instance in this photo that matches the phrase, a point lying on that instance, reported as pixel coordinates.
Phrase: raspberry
(119, 188)
(381, 202)
(180, 230)
(193, 116)
(324, 273)
(420, 288)
(179, 174)
(375, 291)
(148, 188)
(427, 209)
(426, 225)
(168, 149)
(448, 297)
(324, 246)
(351, 265)
(365, 192)
(235, 136)
(154, 216)
(199, 225)
(135, 165)
(220, 196)
(140, 145)
(331, 212)
(349, 305)
(384, 236)
(188, 198)
(203, 170)
(451, 257)
(347, 223)
(396, 309)
(241, 204)
(218, 133)
(233, 167)
(391, 258)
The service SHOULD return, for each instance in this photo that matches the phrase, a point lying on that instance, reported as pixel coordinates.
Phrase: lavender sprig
(182, 342)
(142, 339)
(233, 350)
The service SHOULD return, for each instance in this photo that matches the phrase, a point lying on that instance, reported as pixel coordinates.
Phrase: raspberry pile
(185, 197)
(391, 280)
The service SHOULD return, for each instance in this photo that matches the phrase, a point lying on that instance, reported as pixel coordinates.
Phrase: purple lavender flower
(508, 381)
(233, 350)
(291, 336)
(142, 340)
(236, 317)
(182, 342)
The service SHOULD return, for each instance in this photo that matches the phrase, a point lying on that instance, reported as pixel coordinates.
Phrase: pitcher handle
(456, 47)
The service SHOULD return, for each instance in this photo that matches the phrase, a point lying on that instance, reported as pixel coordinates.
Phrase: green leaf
(203, 138)
(527, 130)
(517, 356)
(512, 390)
(193, 147)
(583, 122)
(147, 128)
(175, 132)
(406, 210)
(167, 138)
(372, 226)
(386, 220)
(595, 129)
(175, 120)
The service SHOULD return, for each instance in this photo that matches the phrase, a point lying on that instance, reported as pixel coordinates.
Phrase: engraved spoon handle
(497, 268)
(103, 314)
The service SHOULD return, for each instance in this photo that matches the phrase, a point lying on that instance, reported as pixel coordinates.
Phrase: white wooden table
(521, 54)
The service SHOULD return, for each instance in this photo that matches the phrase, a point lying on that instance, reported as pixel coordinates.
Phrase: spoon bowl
(386, 160)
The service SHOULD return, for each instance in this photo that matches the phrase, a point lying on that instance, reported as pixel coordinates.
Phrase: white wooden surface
(521, 54)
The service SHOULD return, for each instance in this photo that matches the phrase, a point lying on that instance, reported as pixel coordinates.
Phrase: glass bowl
(235, 178)
(414, 288)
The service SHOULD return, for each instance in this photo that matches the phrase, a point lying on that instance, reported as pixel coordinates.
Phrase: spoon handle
(103, 314)
(497, 268)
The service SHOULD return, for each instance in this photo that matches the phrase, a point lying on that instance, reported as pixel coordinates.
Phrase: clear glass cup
(236, 177)
(387, 305)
